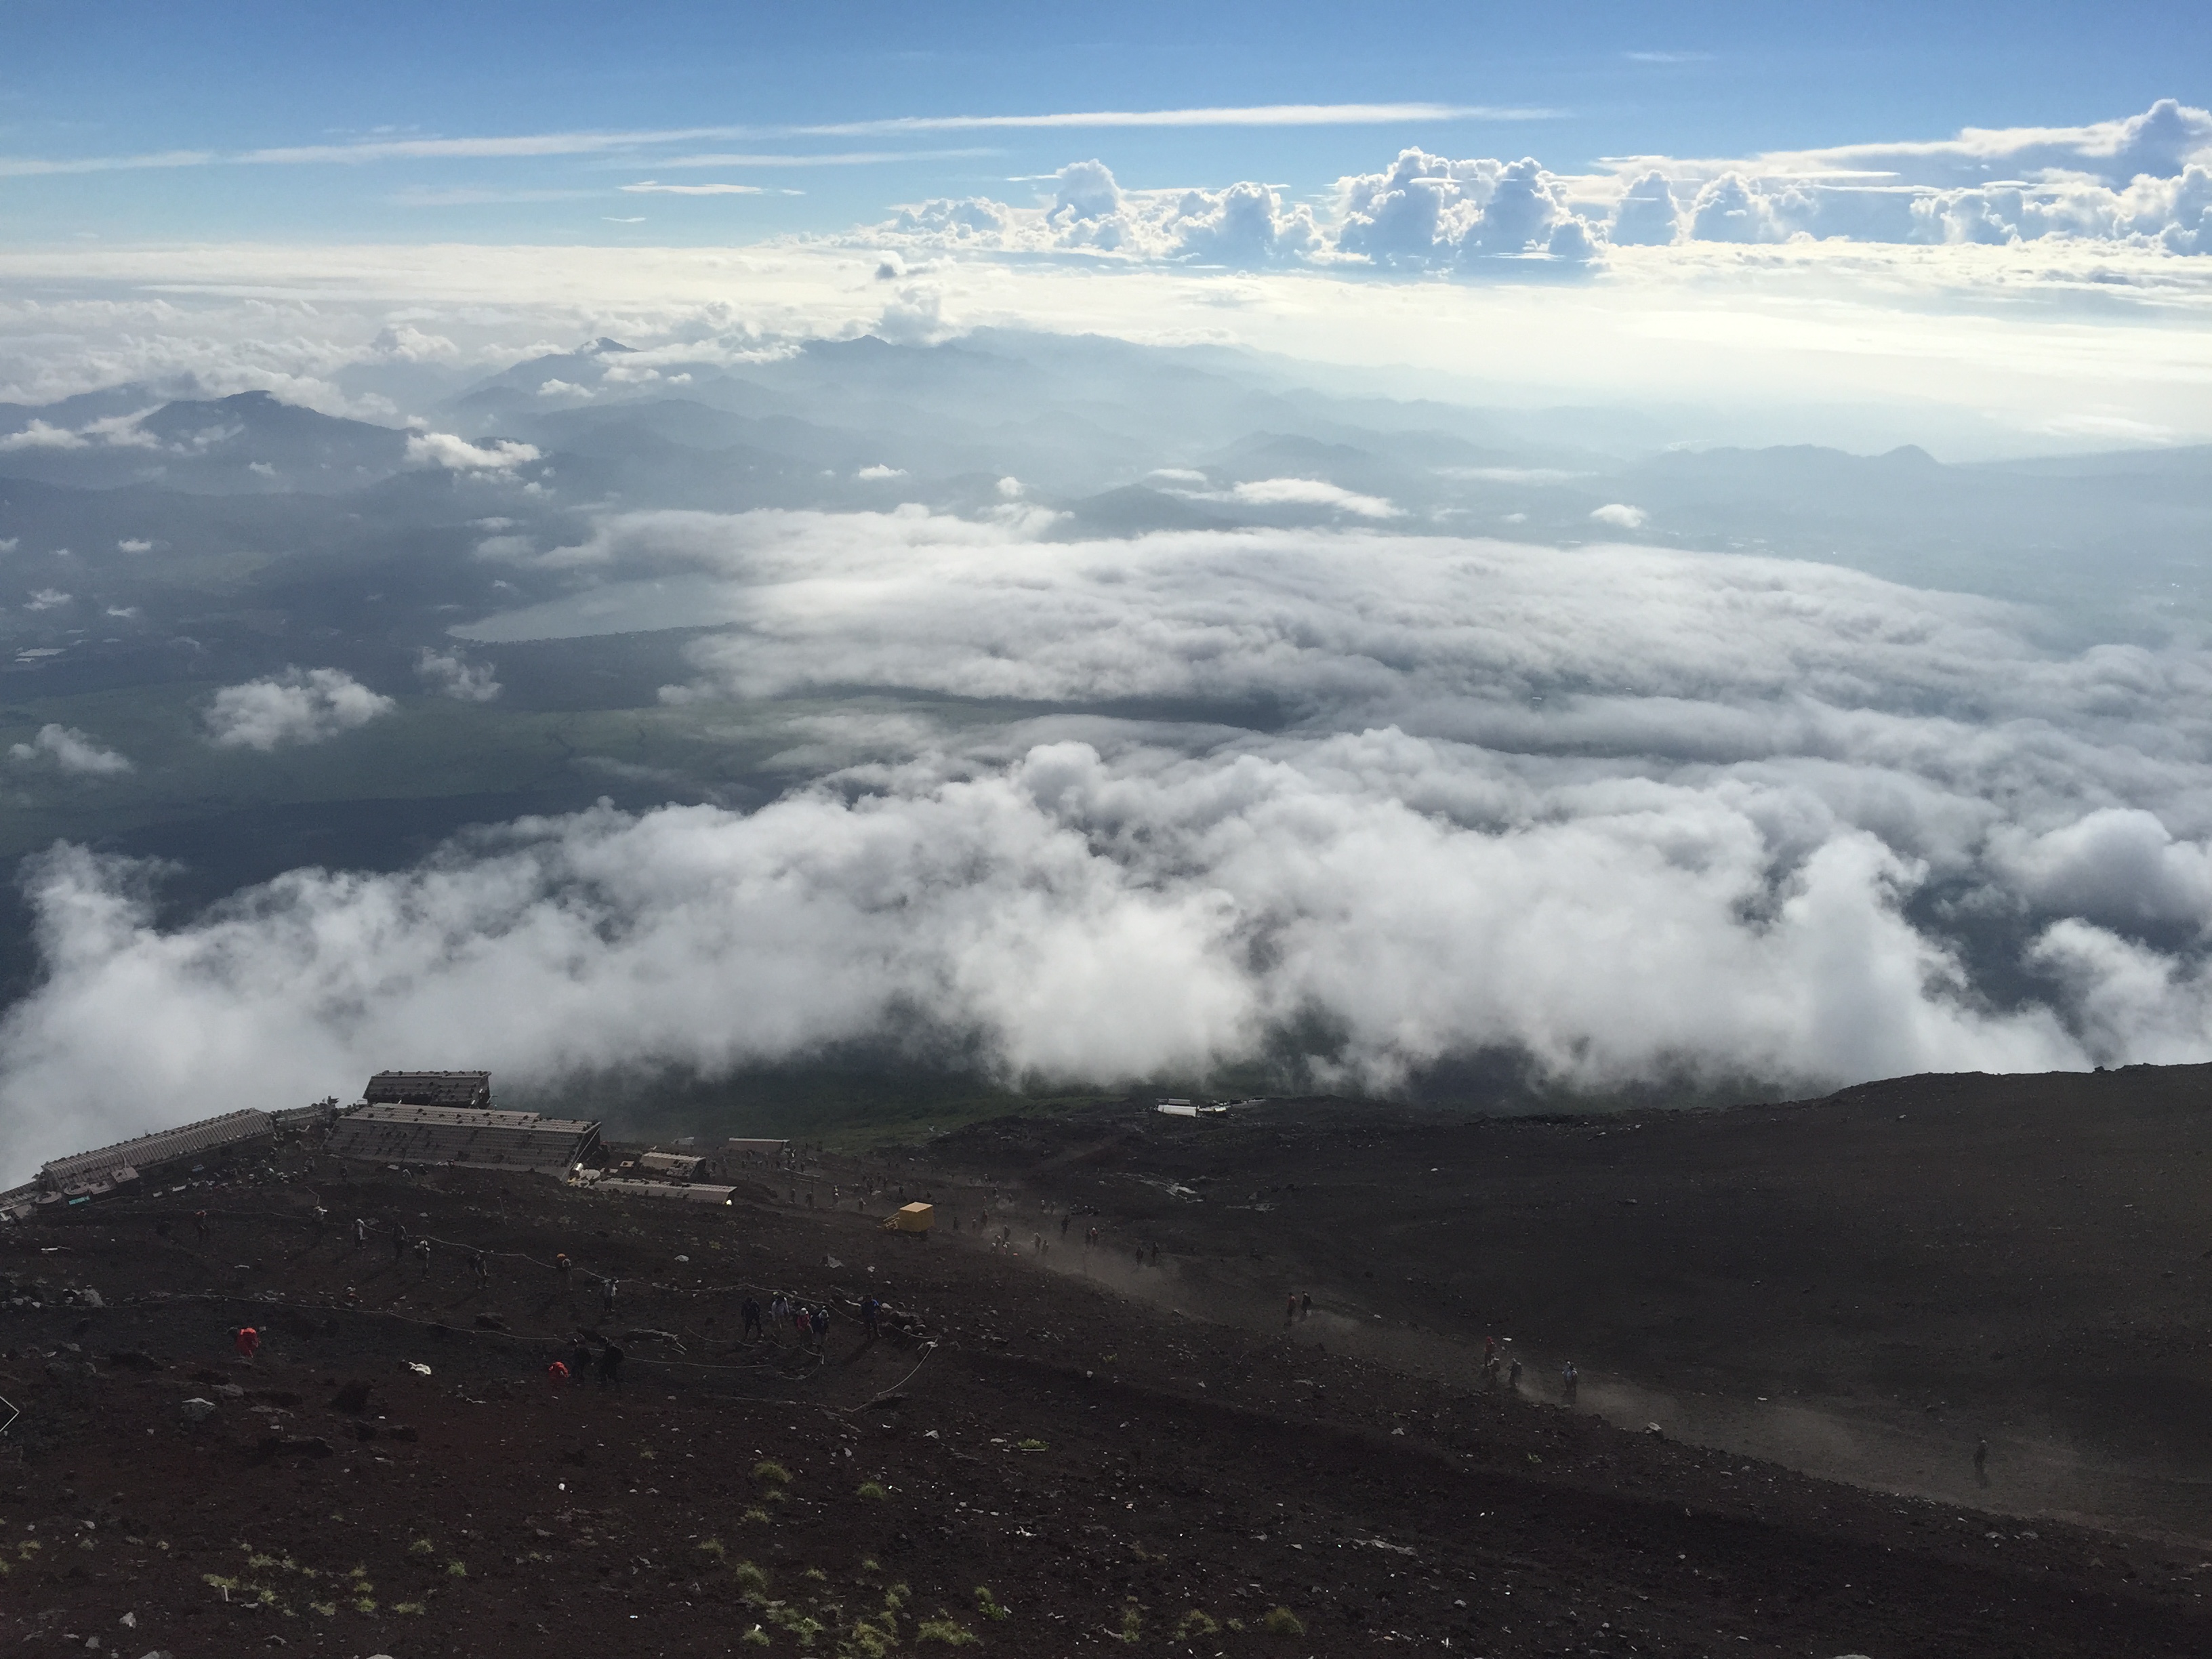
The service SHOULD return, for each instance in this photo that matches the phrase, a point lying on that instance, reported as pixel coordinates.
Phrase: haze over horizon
(1625, 561)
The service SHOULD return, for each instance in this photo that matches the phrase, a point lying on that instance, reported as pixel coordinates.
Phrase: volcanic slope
(1030, 1454)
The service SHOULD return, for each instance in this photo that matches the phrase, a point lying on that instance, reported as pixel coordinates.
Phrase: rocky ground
(1053, 1451)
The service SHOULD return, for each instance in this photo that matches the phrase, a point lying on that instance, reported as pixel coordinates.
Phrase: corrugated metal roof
(162, 1146)
(447, 1134)
(430, 1088)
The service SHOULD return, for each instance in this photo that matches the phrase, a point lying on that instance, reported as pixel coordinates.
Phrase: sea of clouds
(1618, 813)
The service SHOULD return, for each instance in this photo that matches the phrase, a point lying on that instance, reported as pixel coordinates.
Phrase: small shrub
(750, 1578)
(1236, 1625)
(772, 1472)
(758, 1515)
(1194, 1624)
(817, 1575)
(328, 1609)
(755, 1638)
(407, 1607)
(1133, 1626)
(421, 1546)
(1032, 1446)
(713, 1546)
(941, 1629)
(457, 1569)
(364, 1604)
(874, 1490)
(1281, 1621)
(988, 1604)
(869, 1564)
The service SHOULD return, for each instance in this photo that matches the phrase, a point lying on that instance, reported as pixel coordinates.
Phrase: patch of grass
(1281, 1621)
(775, 1472)
(713, 1546)
(942, 1629)
(421, 1546)
(869, 1564)
(750, 1578)
(457, 1569)
(1194, 1624)
(755, 1638)
(1031, 1446)
(874, 1490)
(364, 1604)
(1133, 1626)
(328, 1609)
(787, 1617)
(407, 1607)
(988, 1604)
(817, 1575)
(760, 1516)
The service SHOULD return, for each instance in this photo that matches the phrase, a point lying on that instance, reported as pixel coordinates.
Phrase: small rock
(197, 1410)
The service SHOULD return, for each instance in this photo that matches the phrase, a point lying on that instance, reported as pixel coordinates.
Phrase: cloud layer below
(1624, 813)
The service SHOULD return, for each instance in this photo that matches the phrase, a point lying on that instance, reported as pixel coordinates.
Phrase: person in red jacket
(557, 1375)
(248, 1342)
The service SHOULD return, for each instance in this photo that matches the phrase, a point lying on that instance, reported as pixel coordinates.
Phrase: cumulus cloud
(1620, 515)
(70, 749)
(1427, 210)
(459, 455)
(1245, 225)
(452, 675)
(299, 706)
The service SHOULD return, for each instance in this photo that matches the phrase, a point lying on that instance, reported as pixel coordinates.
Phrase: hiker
(1064, 1221)
(322, 1221)
(1981, 1460)
(248, 1343)
(607, 1298)
(1305, 1300)
(566, 1269)
(360, 1233)
(868, 1316)
(1291, 1307)
(557, 1375)
(481, 1267)
(580, 1360)
(610, 1360)
(200, 1225)
(751, 1311)
(821, 1324)
(398, 1244)
(1490, 1375)
(1569, 1377)
(1513, 1375)
(422, 1255)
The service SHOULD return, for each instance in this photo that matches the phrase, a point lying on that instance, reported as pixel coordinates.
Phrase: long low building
(471, 1138)
(166, 1153)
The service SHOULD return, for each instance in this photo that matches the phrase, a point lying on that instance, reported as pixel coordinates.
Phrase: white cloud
(1312, 492)
(134, 545)
(452, 675)
(1429, 209)
(879, 471)
(71, 751)
(651, 187)
(39, 435)
(1621, 515)
(296, 707)
(1623, 811)
(48, 599)
(459, 455)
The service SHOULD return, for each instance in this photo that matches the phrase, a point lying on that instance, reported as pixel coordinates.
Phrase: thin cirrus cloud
(655, 188)
(525, 146)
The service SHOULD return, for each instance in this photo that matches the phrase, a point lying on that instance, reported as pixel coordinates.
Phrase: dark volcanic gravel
(1045, 1460)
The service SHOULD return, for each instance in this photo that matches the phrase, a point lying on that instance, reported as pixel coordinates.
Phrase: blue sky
(80, 84)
